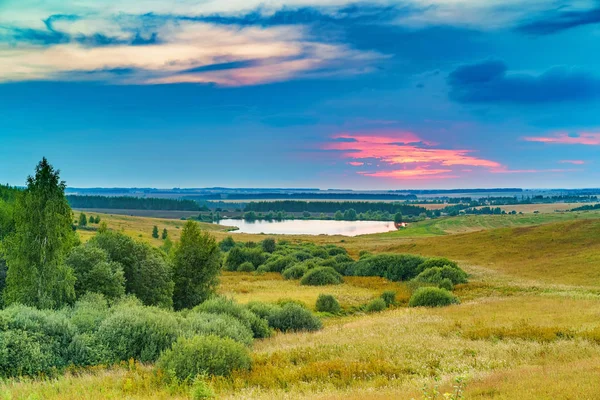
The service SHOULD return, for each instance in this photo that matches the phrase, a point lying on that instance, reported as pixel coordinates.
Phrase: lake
(310, 227)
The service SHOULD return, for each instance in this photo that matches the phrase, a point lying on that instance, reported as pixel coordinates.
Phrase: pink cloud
(530, 171)
(575, 162)
(586, 138)
(418, 158)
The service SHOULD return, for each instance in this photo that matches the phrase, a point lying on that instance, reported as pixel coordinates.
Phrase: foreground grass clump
(432, 297)
(321, 276)
(190, 357)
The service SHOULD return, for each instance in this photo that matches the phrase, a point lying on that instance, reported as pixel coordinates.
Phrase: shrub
(24, 353)
(221, 305)
(437, 274)
(329, 262)
(376, 305)
(293, 317)
(201, 390)
(278, 263)
(327, 303)
(222, 325)
(227, 244)
(86, 349)
(319, 252)
(389, 296)
(335, 250)
(53, 329)
(295, 272)
(436, 262)
(446, 284)
(262, 310)
(246, 267)
(268, 245)
(322, 276)
(432, 297)
(88, 312)
(302, 255)
(343, 258)
(141, 333)
(234, 259)
(212, 355)
(395, 267)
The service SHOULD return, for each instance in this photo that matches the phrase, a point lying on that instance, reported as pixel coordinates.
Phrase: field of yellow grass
(528, 326)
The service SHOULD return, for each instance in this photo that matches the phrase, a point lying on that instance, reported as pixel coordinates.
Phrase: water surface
(310, 227)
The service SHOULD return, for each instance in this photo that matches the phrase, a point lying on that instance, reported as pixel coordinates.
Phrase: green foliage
(239, 255)
(327, 303)
(246, 267)
(322, 276)
(268, 245)
(446, 284)
(395, 267)
(82, 220)
(148, 274)
(95, 273)
(398, 218)
(436, 274)
(89, 312)
(141, 333)
(155, 232)
(432, 297)
(437, 262)
(165, 234)
(260, 309)
(302, 255)
(223, 325)
(227, 244)
(24, 353)
(295, 272)
(36, 250)
(376, 305)
(279, 263)
(212, 355)
(293, 317)
(389, 296)
(196, 265)
(221, 305)
(132, 203)
(201, 389)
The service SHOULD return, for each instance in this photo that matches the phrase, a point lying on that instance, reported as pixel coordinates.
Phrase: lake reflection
(310, 227)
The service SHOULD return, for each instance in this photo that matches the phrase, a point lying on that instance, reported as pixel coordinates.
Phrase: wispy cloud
(574, 162)
(403, 155)
(584, 138)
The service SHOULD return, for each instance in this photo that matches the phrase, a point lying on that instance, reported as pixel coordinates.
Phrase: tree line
(333, 206)
(132, 203)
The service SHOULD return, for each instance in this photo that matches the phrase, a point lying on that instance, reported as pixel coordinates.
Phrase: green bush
(293, 317)
(268, 245)
(86, 349)
(432, 297)
(436, 262)
(278, 263)
(395, 267)
(52, 328)
(246, 267)
(329, 262)
(335, 250)
(200, 389)
(327, 303)
(227, 244)
(376, 305)
(89, 312)
(141, 333)
(221, 305)
(95, 273)
(389, 296)
(302, 255)
(295, 272)
(437, 274)
(25, 353)
(446, 284)
(262, 310)
(213, 355)
(222, 325)
(234, 259)
(321, 276)
(319, 252)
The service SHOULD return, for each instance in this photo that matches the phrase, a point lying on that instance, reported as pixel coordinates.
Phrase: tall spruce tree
(196, 265)
(155, 232)
(36, 251)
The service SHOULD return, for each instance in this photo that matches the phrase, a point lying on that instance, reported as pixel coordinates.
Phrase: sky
(302, 93)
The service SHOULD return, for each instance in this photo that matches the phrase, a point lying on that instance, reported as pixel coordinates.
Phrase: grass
(271, 288)
(527, 327)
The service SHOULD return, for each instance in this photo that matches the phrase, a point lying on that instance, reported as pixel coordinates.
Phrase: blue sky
(302, 93)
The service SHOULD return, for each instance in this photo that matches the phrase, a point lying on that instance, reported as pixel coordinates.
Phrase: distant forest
(132, 203)
(333, 206)
(291, 196)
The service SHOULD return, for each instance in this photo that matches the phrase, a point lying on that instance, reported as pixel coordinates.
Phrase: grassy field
(542, 208)
(527, 326)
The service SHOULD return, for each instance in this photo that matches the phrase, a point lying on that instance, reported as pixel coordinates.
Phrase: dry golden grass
(271, 287)
(542, 208)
